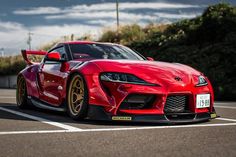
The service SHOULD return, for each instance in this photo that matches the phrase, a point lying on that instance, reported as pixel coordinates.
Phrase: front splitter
(97, 113)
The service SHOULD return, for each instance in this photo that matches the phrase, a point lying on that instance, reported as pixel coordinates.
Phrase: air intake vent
(138, 101)
(176, 104)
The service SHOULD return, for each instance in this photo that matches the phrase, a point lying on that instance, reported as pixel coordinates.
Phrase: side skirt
(44, 105)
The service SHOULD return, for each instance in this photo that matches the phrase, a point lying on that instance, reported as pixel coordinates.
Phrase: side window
(62, 52)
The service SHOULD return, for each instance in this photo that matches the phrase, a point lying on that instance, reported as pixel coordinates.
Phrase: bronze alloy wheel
(76, 98)
(21, 93)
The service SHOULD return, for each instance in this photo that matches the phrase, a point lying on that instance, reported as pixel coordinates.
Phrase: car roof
(80, 42)
(84, 42)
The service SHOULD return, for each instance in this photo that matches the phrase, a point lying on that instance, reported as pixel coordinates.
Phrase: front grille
(176, 104)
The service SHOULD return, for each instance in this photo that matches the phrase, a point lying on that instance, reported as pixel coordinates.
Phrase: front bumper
(98, 113)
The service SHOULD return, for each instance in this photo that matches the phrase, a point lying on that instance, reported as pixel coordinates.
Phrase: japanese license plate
(203, 100)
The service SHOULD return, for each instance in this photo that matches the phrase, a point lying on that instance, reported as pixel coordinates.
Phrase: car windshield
(103, 51)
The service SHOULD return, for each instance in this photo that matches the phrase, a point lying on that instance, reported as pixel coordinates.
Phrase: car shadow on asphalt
(63, 117)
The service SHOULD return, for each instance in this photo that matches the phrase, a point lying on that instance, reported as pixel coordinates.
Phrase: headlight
(123, 78)
(201, 81)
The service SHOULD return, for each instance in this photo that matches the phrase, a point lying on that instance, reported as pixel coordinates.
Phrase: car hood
(151, 71)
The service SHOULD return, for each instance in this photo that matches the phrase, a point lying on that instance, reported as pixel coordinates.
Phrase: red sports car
(106, 81)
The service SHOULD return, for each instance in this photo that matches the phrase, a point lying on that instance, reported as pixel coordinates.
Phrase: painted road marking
(43, 120)
(159, 127)
(227, 119)
(228, 107)
(7, 97)
(223, 102)
(116, 129)
(32, 132)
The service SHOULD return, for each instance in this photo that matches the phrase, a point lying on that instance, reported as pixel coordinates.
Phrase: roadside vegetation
(207, 43)
(11, 65)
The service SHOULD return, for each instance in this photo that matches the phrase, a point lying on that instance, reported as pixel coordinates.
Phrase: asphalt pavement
(36, 132)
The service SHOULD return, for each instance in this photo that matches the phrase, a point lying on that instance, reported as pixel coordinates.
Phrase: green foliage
(130, 33)
(11, 65)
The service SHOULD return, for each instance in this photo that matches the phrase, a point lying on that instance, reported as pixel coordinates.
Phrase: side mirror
(150, 59)
(54, 56)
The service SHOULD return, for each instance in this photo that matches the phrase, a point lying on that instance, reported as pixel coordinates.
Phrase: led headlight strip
(123, 78)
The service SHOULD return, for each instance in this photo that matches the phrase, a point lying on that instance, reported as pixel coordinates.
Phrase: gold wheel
(76, 95)
(21, 92)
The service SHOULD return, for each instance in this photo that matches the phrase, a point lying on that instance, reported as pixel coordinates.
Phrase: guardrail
(8, 81)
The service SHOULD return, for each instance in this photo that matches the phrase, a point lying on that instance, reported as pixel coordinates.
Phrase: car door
(52, 78)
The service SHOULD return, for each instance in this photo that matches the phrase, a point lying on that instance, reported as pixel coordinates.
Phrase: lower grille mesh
(176, 104)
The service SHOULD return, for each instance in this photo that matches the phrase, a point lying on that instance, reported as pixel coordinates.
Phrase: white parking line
(116, 129)
(224, 102)
(32, 132)
(228, 107)
(159, 127)
(7, 97)
(227, 119)
(57, 124)
(71, 129)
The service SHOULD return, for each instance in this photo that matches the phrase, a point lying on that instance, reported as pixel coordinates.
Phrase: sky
(48, 20)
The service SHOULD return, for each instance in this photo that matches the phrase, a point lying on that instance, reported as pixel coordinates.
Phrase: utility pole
(29, 40)
(117, 14)
(72, 37)
(2, 52)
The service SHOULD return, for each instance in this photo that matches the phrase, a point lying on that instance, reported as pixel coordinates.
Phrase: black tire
(76, 92)
(21, 93)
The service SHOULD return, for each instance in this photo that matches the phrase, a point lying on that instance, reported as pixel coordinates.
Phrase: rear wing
(25, 54)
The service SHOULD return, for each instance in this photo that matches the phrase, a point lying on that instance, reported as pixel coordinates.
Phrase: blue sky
(52, 19)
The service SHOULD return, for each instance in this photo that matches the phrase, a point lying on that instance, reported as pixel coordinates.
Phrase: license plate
(203, 100)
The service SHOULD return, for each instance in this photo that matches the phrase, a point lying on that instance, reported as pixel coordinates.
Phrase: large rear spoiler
(25, 54)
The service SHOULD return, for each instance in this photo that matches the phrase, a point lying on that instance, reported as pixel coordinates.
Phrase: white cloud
(99, 22)
(109, 18)
(6, 26)
(62, 30)
(102, 7)
(176, 16)
(102, 15)
(156, 5)
(11, 36)
(96, 16)
(129, 5)
(38, 11)
(106, 12)
(13, 40)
